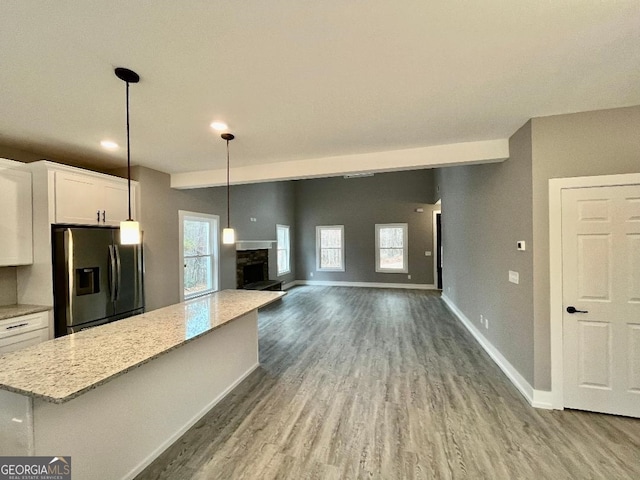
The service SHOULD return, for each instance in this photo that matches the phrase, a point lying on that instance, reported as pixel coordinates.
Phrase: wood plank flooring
(386, 384)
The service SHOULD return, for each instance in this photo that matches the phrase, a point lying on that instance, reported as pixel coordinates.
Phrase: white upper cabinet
(76, 199)
(115, 202)
(16, 227)
(92, 200)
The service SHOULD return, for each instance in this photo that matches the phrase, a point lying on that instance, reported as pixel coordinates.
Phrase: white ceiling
(302, 80)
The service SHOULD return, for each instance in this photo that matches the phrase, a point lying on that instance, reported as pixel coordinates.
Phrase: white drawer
(23, 340)
(25, 323)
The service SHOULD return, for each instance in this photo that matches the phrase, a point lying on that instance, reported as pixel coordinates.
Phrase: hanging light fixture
(228, 234)
(129, 229)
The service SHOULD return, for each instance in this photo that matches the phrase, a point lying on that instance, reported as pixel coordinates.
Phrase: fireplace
(252, 270)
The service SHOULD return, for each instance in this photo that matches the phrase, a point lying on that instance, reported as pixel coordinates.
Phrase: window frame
(287, 229)
(319, 229)
(214, 243)
(405, 248)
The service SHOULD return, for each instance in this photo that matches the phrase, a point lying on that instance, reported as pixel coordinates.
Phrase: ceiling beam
(487, 151)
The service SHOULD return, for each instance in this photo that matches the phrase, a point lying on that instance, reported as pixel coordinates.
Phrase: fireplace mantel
(254, 244)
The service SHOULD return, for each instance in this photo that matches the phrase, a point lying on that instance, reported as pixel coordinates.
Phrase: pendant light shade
(129, 232)
(129, 229)
(228, 234)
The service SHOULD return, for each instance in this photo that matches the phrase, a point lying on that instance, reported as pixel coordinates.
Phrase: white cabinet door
(16, 229)
(116, 204)
(23, 331)
(78, 199)
(89, 200)
(23, 340)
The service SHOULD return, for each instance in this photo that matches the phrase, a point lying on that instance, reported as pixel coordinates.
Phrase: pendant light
(129, 229)
(228, 234)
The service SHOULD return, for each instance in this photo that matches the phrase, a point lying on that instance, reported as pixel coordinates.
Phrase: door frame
(556, 186)
(434, 254)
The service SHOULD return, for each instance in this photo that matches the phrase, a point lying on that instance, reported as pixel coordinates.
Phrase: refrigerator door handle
(112, 273)
(68, 257)
(118, 270)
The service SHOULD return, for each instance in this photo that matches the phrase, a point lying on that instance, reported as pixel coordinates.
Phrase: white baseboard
(542, 399)
(329, 283)
(536, 398)
(288, 285)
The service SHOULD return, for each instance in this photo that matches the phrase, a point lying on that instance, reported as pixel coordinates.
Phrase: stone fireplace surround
(251, 257)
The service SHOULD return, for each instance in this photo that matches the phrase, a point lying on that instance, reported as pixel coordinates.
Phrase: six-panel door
(601, 278)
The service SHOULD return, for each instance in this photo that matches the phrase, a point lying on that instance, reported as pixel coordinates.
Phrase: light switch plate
(521, 245)
(427, 253)
(514, 277)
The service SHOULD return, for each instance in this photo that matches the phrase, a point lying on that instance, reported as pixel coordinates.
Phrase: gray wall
(268, 203)
(74, 160)
(358, 204)
(159, 221)
(602, 142)
(7, 151)
(486, 209)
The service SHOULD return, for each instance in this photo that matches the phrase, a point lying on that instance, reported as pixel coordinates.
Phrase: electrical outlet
(409, 277)
(481, 320)
(486, 323)
(311, 274)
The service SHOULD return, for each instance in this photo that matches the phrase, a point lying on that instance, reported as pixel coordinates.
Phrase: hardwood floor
(386, 384)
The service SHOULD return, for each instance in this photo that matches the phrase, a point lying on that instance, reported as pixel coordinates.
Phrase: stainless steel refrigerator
(95, 279)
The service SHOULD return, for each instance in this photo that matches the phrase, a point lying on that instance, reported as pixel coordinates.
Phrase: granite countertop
(66, 367)
(10, 311)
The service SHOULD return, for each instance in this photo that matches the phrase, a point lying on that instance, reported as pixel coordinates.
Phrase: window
(392, 248)
(284, 249)
(330, 248)
(199, 258)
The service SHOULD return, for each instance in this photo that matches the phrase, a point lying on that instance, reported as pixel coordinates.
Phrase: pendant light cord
(228, 192)
(128, 157)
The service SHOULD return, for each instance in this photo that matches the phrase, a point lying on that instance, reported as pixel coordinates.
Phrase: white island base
(115, 430)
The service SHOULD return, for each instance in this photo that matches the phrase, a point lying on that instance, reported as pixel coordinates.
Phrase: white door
(601, 277)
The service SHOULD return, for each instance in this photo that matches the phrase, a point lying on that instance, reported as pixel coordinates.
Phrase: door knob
(572, 309)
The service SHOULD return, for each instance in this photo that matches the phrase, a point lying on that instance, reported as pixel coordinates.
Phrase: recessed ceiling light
(108, 144)
(219, 126)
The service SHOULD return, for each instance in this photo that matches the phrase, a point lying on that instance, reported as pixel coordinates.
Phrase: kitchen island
(114, 397)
